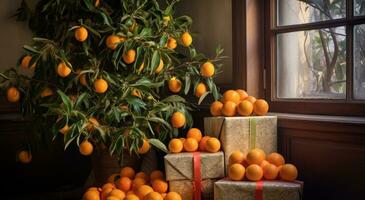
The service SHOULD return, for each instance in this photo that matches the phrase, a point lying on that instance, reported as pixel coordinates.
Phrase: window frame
(348, 106)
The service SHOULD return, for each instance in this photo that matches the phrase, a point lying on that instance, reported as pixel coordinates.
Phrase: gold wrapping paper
(243, 133)
(185, 189)
(180, 166)
(245, 190)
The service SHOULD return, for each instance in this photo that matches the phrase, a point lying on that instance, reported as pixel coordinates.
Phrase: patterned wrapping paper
(243, 133)
(246, 190)
(185, 188)
(180, 166)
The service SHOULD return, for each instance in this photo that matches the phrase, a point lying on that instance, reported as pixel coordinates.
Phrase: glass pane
(359, 7)
(359, 62)
(305, 11)
(312, 64)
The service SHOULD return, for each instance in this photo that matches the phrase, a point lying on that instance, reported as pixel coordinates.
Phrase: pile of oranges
(256, 166)
(129, 185)
(194, 141)
(238, 102)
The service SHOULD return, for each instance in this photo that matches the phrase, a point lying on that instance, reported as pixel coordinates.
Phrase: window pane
(305, 11)
(359, 62)
(312, 64)
(359, 7)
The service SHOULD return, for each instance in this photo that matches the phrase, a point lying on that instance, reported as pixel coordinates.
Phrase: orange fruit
(127, 172)
(122, 39)
(270, 171)
(160, 66)
(138, 182)
(203, 143)
(112, 41)
(163, 195)
(276, 159)
(130, 56)
(263, 163)
(173, 196)
(108, 185)
(231, 95)
(97, 2)
(26, 61)
(81, 34)
(159, 186)
(190, 145)
(93, 122)
(236, 157)
(288, 172)
(93, 188)
(157, 174)
(119, 194)
(131, 197)
(213, 145)
(63, 70)
(194, 133)
(112, 198)
(186, 39)
(141, 175)
(245, 108)
(236, 172)
(153, 196)
(251, 99)
(229, 109)
(105, 193)
(200, 89)
(176, 146)
(64, 129)
(91, 195)
(145, 147)
(255, 156)
(83, 80)
(112, 178)
(207, 69)
(86, 148)
(130, 192)
(182, 139)
(124, 183)
(25, 157)
(243, 94)
(143, 191)
(254, 172)
(171, 43)
(100, 86)
(178, 119)
(216, 108)
(174, 85)
(46, 92)
(136, 93)
(13, 94)
(260, 107)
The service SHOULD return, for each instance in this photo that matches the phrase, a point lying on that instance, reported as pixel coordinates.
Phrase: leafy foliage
(123, 118)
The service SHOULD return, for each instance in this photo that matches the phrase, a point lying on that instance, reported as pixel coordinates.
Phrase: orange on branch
(83, 80)
(112, 42)
(86, 148)
(63, 70)
(207, 70)
(178, 119)
(213, 145)
(186, 39)
(190, 145)
(100, 86)
(92, 123)
(81, 34)
(26, 61)
(130, 56)
(46, 92)
(160, 67)
(25, 157)
(13, 94)
(64, 130)
(145, 147)
(194, 133)
(174, 85)
(200, 89)
(136, 93)
(260, 107)
(171, 43)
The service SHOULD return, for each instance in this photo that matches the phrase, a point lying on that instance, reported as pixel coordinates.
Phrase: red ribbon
(197, 176)
(258, 191)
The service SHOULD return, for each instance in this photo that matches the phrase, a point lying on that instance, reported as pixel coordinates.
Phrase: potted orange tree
(109, 74)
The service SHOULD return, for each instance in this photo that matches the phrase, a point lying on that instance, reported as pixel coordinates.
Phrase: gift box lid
(180, 166)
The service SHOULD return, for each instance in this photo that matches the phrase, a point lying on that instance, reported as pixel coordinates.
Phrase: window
(317, 56)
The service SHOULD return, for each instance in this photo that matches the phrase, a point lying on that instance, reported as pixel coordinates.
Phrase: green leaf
(187, 84)
(66, 100)
(155, 60)
(31, 49)
(158, 144)
(160, 120)
(203, 97)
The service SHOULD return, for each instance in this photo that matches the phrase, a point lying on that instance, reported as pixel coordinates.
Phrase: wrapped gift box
(264, 190)
(180, 169)
(243, 133)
